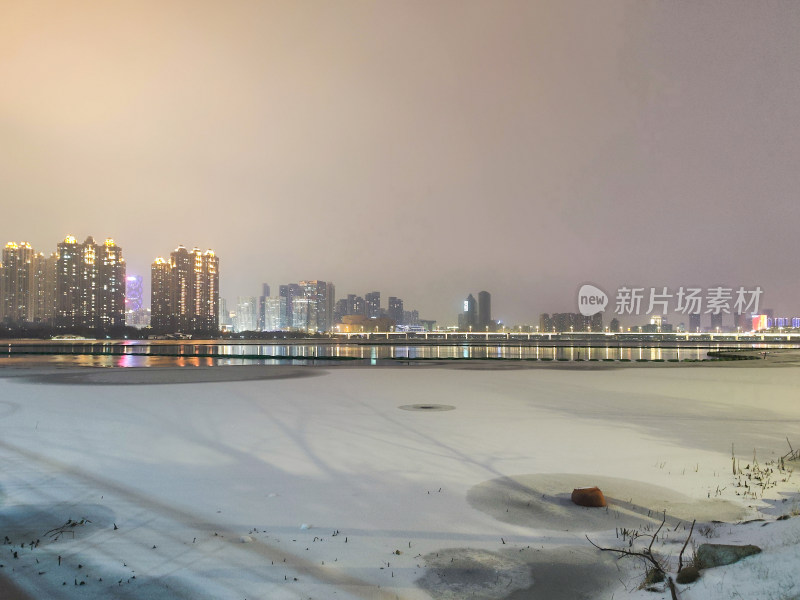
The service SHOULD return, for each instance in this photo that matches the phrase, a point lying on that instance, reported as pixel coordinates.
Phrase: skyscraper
(484, 311)
(90, 284)
(262, 307)
(246, 317)
(136, 315)
(111, 286)
(468, 319)
(161, 295)
(43, 290)
(694, 323)
(355, 305)
(395, 310)
(133, 293)
(272, 314)
(340, 310)
(69, 277)
(320, 295)
(287, 294)
(17, 282)
(330, 302)
(185, 292)
(225, 321)
(372, 301)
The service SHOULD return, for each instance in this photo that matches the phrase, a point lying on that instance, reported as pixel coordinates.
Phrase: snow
(213, 487)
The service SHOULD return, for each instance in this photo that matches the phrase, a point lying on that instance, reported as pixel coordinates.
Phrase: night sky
(424, 149)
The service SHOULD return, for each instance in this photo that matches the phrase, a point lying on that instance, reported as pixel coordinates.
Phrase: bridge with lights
(600, 338)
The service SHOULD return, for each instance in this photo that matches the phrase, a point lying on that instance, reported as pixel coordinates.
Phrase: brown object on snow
(590, 496)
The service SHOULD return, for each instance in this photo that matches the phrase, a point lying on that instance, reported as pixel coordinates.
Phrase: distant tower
(484, 310)
(395, 311)
(262, 308)
(290, 294)
(246, 318)
(373, 304)
(272, 314)
(133, 293)
(694, 323)
(716, 322)
(355, 305)
(319, 310)
(469, 318)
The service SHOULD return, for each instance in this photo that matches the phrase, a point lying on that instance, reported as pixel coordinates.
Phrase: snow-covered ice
(336, 493)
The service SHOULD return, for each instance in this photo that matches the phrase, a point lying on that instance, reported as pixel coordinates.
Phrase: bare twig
(672, 589)
(67, 527)
(680, 556)
(646, 554)
(792, 454)
(655, 535)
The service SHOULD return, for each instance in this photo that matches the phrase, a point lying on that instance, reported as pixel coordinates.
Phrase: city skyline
(38, 288)
(85, 286)
(421, 149)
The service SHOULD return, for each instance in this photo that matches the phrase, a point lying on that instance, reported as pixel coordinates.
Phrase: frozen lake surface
(300, 482)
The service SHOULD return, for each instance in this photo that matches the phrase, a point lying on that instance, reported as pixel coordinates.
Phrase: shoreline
(45, 369)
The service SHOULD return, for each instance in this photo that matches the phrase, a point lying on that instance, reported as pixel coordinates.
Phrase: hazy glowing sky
(424, 149)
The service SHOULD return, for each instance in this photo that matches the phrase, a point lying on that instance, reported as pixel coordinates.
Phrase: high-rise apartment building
(111, 286)
(356, 305)
(90, 284)
(27, 285)
(17, 283)
(43, 290)
(340, 310)
(395, 310)
(185, 291)
(372, 302)
(161, 295)
(69, 278)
